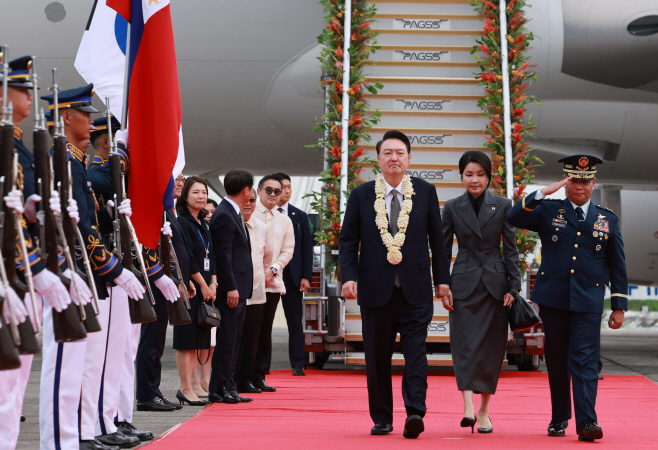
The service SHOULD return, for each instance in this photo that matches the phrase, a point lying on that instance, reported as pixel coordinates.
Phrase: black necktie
(395, 212)
(579, 214)
(280, 210)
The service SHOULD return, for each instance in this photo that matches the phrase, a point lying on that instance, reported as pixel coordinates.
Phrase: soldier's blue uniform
(579, 258)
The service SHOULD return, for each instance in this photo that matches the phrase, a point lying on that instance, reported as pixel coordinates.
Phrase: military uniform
(580, 256)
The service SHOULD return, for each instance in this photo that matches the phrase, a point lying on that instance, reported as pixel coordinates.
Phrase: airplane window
(644, 26)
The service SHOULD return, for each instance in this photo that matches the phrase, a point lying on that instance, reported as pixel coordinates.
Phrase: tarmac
(623, 352)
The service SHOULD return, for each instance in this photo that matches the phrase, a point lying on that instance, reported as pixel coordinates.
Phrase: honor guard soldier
(47, 285)
(62, 431)
(582, 252)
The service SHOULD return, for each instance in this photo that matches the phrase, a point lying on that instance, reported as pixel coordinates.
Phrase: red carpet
(329, 410)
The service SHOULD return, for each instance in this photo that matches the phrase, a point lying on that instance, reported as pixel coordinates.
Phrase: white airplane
(249, 88)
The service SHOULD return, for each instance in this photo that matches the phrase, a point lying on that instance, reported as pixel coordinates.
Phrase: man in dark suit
(582, 251)
(296, 276)
(235, 274)
(395, 282)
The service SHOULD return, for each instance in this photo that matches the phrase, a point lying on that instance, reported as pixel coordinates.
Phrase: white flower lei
(393, 244)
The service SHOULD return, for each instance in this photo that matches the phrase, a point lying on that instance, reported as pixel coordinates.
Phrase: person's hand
(349, 290)
(232, 298)
(18, 312)
(304, 285)
(191, 290)
(167, 287)
(48, 285)
(122, 136)
(206, 292)
(508, 299)
(30, 205)
(269, 276)
(129, 282)
(13, 201)
(616, 319)
(213, 290)
(72, 209)
(448, 302)
(54, 203)
(166, 229)
(442, 290)
(125, 208)
(81, 295)
(553, 188)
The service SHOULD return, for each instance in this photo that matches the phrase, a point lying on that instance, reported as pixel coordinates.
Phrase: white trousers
(62, 369)
(127, 392)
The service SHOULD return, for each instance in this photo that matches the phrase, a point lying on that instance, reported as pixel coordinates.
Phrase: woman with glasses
(191, 341)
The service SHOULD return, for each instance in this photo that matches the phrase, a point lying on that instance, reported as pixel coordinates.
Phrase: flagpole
(124, 104)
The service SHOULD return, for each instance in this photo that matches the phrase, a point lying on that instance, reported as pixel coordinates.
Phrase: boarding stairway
(430, 93)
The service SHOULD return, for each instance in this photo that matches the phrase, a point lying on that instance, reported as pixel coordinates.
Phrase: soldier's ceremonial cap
(19, 72)
(101, 124)
(581, 167)
(49, 120)
(78, 98)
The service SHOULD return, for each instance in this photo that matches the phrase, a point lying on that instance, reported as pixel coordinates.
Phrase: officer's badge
(561, 211)
(601, 225)
(554, 238)
(595, 234)
(606, 237)
(583, 162)
(598, 247)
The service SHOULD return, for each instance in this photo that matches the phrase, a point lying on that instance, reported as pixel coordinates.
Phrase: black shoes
(156, 404)
(118, 439)
(600, 377)
(248, 388)
(556, 428)
(486, 430)
(129, 429)
(93, 444)
(469, 422)
(23, 419)
(298, 372)
(222, 397)
(589, 430)
(182, 399)
(235, 395)
(381, 429)
(413, 426)
(166, 401)
(260, 384)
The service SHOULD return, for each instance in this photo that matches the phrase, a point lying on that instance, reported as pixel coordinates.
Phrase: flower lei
(393, 244)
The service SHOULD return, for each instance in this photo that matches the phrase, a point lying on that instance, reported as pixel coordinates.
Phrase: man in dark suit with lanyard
(296, 276)
(235, 274)
(582, 252)
(391, 220)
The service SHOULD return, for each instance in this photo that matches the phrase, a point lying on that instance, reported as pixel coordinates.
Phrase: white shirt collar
(389, 188)
(235, 205)
(585, 207)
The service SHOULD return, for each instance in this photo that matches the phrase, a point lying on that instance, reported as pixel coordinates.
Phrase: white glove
(166, 229)
(55, 204)
(18, 311)
(130, 284)
(82, 286)
(52, 290)
(122, 136)
(13, 201)
(125, 209)
(73, 211)
(168, 288)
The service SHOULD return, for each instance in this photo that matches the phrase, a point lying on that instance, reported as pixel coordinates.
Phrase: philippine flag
(154, 106)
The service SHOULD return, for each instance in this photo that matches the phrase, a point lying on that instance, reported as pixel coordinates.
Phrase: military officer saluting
(582, 252)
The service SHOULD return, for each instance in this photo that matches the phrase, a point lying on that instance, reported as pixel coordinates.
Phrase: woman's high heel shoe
(469, 422)
(182, 399)
(486, 430)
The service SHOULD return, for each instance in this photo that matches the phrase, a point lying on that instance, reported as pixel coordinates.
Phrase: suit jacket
(478, 256)
(232, 251)
(301, 264)
(374, 274)
(578, 258)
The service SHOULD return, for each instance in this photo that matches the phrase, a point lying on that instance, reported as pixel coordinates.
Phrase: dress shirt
(279, 243)
(235, 205)
(540, 196)
(389, 195)
(258, 235)
(284, 208)
(476, 202)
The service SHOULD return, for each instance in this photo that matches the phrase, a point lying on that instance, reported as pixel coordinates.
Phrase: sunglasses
(252, 200)
(270, 190)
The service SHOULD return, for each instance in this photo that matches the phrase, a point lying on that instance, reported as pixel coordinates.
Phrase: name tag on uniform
(559, 223)
(206, 264)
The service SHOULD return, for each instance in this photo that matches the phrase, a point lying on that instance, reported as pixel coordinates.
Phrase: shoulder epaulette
(607, 209)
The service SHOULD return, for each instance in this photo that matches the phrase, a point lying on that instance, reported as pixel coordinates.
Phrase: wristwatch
(274, 271)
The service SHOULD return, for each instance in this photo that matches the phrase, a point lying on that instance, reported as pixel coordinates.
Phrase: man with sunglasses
(280, 246)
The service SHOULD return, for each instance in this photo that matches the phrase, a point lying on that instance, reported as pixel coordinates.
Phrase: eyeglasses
(270, 190)
(180, 180)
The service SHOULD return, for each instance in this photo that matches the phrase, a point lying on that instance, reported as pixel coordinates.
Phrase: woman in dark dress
(192, 341)
(481, 279)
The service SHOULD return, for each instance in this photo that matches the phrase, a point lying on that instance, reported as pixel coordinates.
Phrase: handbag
(208, 315)
(521, 315)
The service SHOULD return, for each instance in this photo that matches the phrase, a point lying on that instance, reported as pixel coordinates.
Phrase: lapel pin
(493, 208)
(293, 213)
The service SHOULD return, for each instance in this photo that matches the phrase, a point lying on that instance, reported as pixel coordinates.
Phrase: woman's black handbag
(521, 315)
(208, 315)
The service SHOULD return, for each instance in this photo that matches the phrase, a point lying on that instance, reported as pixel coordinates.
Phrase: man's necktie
(280, 210)
(244, 225)
(394, 214)
(579, 214)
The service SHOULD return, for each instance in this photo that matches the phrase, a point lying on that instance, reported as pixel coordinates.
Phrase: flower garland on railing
(327, 201)
(488, 44)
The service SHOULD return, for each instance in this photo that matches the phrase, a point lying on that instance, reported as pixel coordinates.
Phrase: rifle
(141, 310)
(12, 225)
(9, 336)
(176, 311)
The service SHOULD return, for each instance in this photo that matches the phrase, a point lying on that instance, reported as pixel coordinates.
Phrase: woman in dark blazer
(192, 341)
(479, 285)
